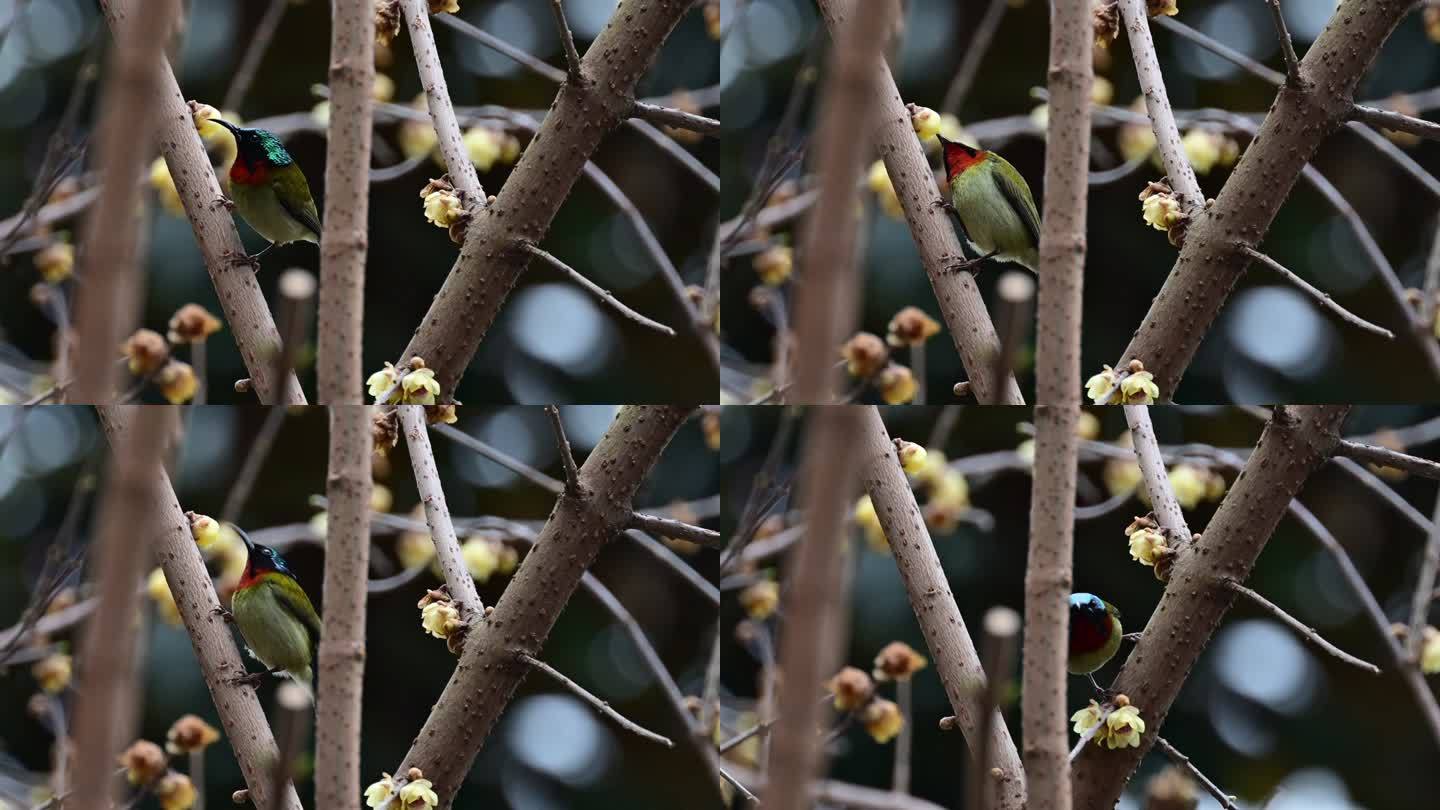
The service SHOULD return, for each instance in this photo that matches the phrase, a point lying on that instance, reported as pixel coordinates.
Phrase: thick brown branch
(578, 528)
(1194, 602)
(1385, 457)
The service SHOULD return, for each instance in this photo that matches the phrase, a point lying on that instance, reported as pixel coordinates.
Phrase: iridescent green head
(258, 147)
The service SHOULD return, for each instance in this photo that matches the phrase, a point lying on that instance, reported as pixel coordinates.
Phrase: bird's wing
(296, 603)
(1020, 202)
(294, 194)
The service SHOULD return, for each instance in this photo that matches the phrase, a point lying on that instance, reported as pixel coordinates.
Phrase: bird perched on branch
(997, 214)
(1095, 634)
(269, 191)
(280, 626)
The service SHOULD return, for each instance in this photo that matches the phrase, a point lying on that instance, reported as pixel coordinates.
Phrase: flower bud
(775, 264)
(146, 351)
(192, 323)
(865, 354)
(897, 384)
(760, 599)
(898, 661)
(143, 762)
(852, 689)
(177, 382)
(911, 327)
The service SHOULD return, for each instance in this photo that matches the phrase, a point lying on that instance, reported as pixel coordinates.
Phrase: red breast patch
(959, 157)
(250, 175)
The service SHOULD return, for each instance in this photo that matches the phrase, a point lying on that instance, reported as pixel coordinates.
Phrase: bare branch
(1395, 122)
(505, 460)
(297, 304)
(567, 458)
(1157, 104)
(250, 469)
(567, 39)
(1299, 627)
(600, 292)
(259, 43)
(341, 658)
(437, 516)
(1321, 298)
(677, 529)
(678, 119)
(1424, 587)
(1287, 47)
(1156, 478)
(442, 111)
(1226, 800)
(974, 52)
(601, 706)
(1385, 457)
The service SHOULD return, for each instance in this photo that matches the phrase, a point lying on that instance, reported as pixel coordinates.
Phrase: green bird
(270, 192)
(993, 202)
(1095, 635)
(280, 626)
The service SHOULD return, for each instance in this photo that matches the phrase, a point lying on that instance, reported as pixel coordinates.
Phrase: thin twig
(1385, 457)
(254, 460)
(1424, 586)
(904, 741)
(1157, 104)
(442, 111)
(1430, 295)
(567, 458)
(602, 706)
(1287, 49)
(1299, 627)
(254, 52)
(1320, 297)
(567, 39)
(974, 52)
(1226, 800)
(600, 292)
(1156, 478)
(505, 460)
(676, 529)
(1394, 121)
(437, 516)
(678, 119)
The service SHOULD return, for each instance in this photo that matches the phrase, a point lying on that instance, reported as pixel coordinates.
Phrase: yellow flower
(443, 208)
(710, 424)
(1202, 149)
(189, 734)
(952, 129)
(952, 491)
(934, 470)
(1214, 485)
(420, 387)
(177, 382)
(1040, 117)
(1189, 484)
(418, 794)
(1147, 546)
(878, 179)
(1431, 19)
(1106, 21)
(383, 89)
(205, 529)
(382, 381)
(417, 138)
(510, 148)
(1088, 427)
(882, 719)
(321, 113)
(1125, 727)
(760, 599)
(1099, 386)
(192, 323)
(1026, 451)
(158, 590)
(1087, 718)
(925, 121)
(897, 385)
(378, 793)
(1430, 651)
(175, 792)
(852, 689)
(146, 352)
(440, 618)
(775, 264)
(911, 327)
(1161, 211)
(164, 186)
(868, 520)
(898, 661)
(320, 524)
(1157, 7)
(481, 558)
(53, 672)
(483, 146)
(56, 262)
(1139, 389)
(414, 549)
(1122, 476)
(1136, 141)
(381, 498)
(442, 7)
(864, 354)
(1102, 92)
(912, 457)
(143, 762)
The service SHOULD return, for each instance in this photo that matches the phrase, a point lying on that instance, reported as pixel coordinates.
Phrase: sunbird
(280, 626)
(1095, 634)
(993, 202)
(270, 192)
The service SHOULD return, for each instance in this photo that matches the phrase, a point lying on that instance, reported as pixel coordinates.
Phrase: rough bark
(493, 255)
(109, 299)
(815, 603)
(1213, 257)
(245, 310)
(347, 204)
(1295, 443)
(580, 525)
(960, 303)
(437, 514)
(105, 718)
(341, 667)
(241, 716)
(437, 98)
(825, 308)
(951, 649)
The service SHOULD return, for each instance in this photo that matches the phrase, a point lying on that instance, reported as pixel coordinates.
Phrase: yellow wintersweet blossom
(912, 456)
(378, 793)
(878, 180)
(1147, 546)
(1430, 651)
(760, 599)
(481, 558)
(774, 265)
(1139, 389)
(1202, 149)
(418, 794)
(420, 387)
(882, 719)
(1189, 483)
(483, 145)
(897, 661)
(440, 618)
(205, 529)
(443, 208)
(927, 122)
(143, 762)
(1125, 727)
(382, 381)
(190, 734)
(1099, 386)
(868, 520)
(158, 589)
(56, 262)
(852, 689)
(175, 792)
(53, 672)
(1087, 718)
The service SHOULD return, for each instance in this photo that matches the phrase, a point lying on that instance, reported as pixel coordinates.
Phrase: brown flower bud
(192, 323)
(865, 354)
(852, 689)
(911, 327)
(146, 351)
(897, 662)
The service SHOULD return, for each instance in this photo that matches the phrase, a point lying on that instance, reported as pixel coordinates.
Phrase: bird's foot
(946, 205)
(250, 679)
(971, 266)
(224, 202)
(242, 259)
(220, 611)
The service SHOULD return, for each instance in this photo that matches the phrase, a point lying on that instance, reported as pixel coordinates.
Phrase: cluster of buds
(1119, 727)
(1136, 388)
(911, 456)
(486, 556)
(1206, 149)
(445, 207)
(441, 618)
(387, 21)
(1149, 545)
(1105, 17)
(761, 598)
(147, 356)
(486, 147)
(417, 793)
(911, 327)
(1161, 210)
(854, 694)
(147, 766)
(774, 265)
(417, 387)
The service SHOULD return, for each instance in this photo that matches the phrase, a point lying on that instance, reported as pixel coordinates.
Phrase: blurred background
(524, 358)
(1269, 344)
(549, 750)
(1263, 714)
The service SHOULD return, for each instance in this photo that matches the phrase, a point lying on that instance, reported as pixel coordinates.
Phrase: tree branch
(676, 529)
(601, 706)
(960, 303)
(1321, 298)
(341, 664)
(347, 205)
(488, 671)
(567, 458)
(1287, 50)
(599, 292)
(1299, 627)
(1424, 587)
(1395, 122)
(437, 515)
(109, 298)
(1385, 457)
(1157, 104)
(239, 709)
(951, 648)
(567, 39)
(505, 460)
(492, 259)
(442, 112)
(974, 52)
(1226, 800)
(1156, 478)
(1194, 601)
(678, 119)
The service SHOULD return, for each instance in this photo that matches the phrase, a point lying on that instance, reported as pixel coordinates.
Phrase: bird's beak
(942, 140)
(249, 544)
(234, 130)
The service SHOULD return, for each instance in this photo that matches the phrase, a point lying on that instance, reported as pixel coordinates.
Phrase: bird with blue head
(279, 624)
(1095, 635)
